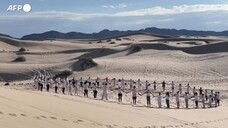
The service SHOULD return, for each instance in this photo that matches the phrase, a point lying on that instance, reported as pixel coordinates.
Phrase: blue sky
(95, 15)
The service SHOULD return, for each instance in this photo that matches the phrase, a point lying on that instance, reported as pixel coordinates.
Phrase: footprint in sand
(54, 118)
(37, 117)
(12, 114)
(65, 120)
(1, 112)
(80, 120)
(23, 115)
(44, 117)
(109, 126)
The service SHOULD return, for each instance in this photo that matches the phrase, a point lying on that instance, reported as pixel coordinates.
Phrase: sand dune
(200, 61)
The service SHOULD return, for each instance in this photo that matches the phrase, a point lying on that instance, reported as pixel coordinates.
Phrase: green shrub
(20, 59)
(87, 63)
(64, 74)
(22, 50)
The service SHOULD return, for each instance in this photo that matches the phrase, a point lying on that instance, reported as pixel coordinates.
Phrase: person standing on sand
(159, 99)
(120, 94)
(218, 98)
(206, 94)
(75, 86)
(186, 97)
(98, 82)
(48, 83)
(105, 92)
(95, 90)
(172, 87)
(86, 86)
(139, 84)
(196, 99)
(131, 84)
(134, 95)
(63, 85)
(155, 86)
(70, 84)
(210, 101)
(56, 85)
(194, 90)
(163, 85)
(178, 99)
(36, 83)
(203, 100)
(188, 88)
(180, 89)
(167, 97)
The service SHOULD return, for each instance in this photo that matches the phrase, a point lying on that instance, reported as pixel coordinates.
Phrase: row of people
(74, 85)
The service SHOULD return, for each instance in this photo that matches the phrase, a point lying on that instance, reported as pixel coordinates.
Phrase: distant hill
(108, 34)
(4, 35)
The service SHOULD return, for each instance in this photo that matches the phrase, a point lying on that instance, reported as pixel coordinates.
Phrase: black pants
(41, 87)
(63, 90)
(95, 93)
(56, 89)
(196, 102)
(48, 86)
(134, 99)
(120, 97)
(86, 93)
(148, 100)
(167, 103)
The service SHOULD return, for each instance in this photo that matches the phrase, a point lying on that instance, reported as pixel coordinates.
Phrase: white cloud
(115, 6)
(175, 10)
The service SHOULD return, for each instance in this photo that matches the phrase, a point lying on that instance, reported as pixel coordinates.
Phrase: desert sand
(200, 61)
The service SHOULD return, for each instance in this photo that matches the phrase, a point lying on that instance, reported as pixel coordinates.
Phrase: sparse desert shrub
(1, 79)
(108, 40)
(99, 41)
(64, 74)
(118, 39)
(22, 50)
(20, 59)
(135, 49)
(112, 42)
(87, 63)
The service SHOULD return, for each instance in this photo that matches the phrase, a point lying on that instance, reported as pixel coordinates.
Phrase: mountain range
(114, 33)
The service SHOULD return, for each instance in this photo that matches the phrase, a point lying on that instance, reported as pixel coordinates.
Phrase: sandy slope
(201, 61)
(21, 108)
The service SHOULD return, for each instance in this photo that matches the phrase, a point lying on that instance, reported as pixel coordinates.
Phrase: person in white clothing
(186, 98)
(159, 98)
(105, 92)
(178, 99)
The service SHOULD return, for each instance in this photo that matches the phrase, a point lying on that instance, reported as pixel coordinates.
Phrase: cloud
(175, 10)
(115, 6)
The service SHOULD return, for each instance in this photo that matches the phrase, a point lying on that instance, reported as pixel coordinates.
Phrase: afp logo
(17, 8)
